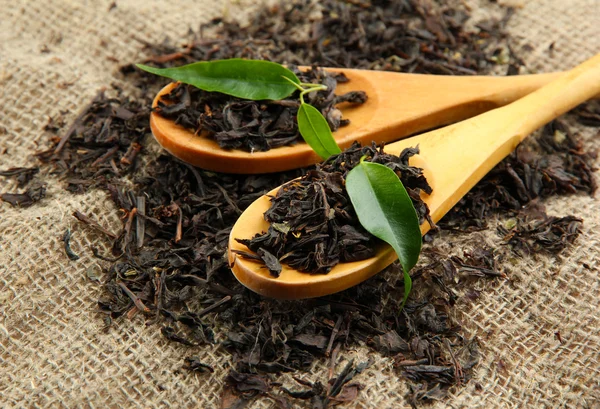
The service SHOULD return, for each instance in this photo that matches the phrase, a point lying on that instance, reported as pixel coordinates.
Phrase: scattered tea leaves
(247, 79)
(93, 224)
(103, 142)
(589, 113)
(182, 280)
(339, 387)
(248, 383)
(550, 235)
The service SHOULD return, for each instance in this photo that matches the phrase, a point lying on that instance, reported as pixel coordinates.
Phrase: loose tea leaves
(23, 175)
(313, 223)
(385, 210)
(191, 275)
(246, 79)
(103, 143)
(262, 125)
(35, 193)
(550, 235)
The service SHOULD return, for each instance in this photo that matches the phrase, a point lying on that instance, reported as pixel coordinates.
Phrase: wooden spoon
(454, 159)
(399, 105)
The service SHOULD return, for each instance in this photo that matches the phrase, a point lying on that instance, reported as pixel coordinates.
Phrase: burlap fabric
(56, 54)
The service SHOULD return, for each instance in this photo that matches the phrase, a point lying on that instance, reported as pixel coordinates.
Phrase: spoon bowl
(454, 159)
(399, 105)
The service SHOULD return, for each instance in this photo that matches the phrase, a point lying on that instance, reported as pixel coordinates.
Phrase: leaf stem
(318, 87)
(298, 86)
(311, 85)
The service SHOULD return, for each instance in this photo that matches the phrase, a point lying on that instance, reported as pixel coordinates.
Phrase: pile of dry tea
(101, 144)
(313, 225)
(391, 35)
(168, 261)
(237, 123)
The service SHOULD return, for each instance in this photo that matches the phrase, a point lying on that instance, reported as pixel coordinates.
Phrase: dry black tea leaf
(271, 262)
(247, 383)
(68, 250)
(23, 175)
(193, 363)
(35, 193)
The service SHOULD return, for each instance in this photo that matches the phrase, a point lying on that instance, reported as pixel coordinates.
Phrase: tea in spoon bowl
(398, 105)
(454, 159)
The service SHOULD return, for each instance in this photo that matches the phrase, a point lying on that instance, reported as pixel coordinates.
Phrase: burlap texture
(56, 54)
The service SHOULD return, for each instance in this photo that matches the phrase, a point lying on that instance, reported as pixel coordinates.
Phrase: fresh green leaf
(385, 210)
(316, 132)
(247, 79)
(407, 286)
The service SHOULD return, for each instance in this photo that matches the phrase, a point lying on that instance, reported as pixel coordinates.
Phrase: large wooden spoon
(399, 105)
(454, 159)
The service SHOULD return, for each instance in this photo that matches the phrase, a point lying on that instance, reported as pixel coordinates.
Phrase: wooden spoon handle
(554, 99)
(456, 157)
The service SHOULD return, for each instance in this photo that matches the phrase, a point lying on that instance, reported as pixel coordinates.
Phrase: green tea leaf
(385, 210)
(247, 79)
(316, 132)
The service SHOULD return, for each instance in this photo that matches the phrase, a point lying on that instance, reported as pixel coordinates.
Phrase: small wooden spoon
(454, 159)
(399, 105)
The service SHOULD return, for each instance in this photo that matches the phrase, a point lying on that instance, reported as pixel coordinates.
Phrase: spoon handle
(554, 99)
(456, 157)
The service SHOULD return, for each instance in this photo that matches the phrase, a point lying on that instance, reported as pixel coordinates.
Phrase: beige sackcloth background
(52, 350)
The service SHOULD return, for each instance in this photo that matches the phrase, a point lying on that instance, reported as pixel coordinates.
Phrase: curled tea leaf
(385, 210)
(316, 132)
(247, 79)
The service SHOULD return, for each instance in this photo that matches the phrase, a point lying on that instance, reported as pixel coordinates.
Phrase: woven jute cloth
(54, 57)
